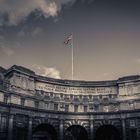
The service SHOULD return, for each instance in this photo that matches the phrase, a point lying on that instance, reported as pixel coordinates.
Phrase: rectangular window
(22, 101)
(56, 107)
(36, 104)
(71, 96)
(46, 105)
(6, 99)
(85, 108)
(61, 95)
(76, 108)
(96, 107)
(67, 108)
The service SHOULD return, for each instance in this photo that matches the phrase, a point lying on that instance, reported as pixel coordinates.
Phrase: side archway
(76, 132)
(107, 132)
(44, 132)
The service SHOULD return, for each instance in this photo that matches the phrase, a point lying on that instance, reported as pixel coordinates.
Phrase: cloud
(89, 1)
(37, 31)
(21, 33)
(16, 11)
(6, 50)
(13, 12)
(33, 32)
(45, 71)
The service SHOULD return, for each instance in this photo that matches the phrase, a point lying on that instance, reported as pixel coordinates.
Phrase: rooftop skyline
(105, 34)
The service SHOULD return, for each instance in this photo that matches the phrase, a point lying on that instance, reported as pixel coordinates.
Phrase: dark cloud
(18, 10)
(15, 11)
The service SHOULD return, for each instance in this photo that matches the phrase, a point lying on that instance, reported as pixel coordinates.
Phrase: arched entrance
(107, 132)
(76, 132)
(44, 132)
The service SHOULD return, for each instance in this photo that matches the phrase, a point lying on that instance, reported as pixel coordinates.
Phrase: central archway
(76, 132)
(44, 132)
(107, 132)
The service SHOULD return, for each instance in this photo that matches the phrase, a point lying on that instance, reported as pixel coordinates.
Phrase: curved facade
(42, 108)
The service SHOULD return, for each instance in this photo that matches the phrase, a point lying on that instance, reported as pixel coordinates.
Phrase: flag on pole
(68, 39)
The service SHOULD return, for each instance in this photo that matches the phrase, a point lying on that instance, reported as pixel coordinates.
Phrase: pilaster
(30, 129)
(10, 127)
(61, 128)
(123, 128)
(91, 130)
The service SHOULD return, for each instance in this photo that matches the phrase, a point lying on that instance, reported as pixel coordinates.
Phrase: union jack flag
(68, 39)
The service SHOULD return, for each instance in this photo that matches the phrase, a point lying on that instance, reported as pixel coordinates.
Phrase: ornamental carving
(21, 82)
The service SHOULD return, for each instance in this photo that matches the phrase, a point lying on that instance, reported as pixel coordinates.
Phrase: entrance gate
(44, 132)
(107, 132)
(76, 132)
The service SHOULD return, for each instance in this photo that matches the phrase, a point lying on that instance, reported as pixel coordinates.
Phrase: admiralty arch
(33, 107)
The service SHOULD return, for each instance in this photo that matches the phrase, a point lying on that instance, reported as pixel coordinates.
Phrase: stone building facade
(33, 107)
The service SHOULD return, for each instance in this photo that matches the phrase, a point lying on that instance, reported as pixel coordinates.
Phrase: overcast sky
(106, 35)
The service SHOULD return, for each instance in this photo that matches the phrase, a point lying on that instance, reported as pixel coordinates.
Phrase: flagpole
(72, 58)
(66, 42)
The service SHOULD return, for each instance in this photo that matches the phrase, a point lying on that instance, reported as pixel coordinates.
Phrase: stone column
(30, 129)
(10, 127)
(137, 128)
(0, 124)
(123, 129)
(91, 128)
(61, 131)
(0, 121)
